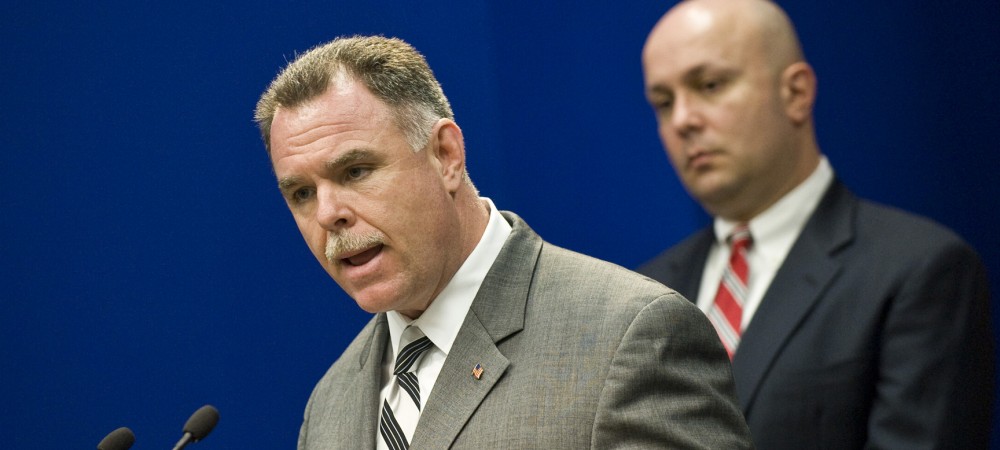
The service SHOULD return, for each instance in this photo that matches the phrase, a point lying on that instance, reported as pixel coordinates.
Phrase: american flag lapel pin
(477, 371)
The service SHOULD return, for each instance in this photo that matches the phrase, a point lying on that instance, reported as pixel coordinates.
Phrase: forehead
(346, 107)
(695, 38)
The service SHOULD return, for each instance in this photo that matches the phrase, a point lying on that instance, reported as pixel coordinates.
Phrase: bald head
(759, 25)
(733, 98)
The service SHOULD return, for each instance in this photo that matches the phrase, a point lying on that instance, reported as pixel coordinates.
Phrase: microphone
(120, 439)
(198, 426)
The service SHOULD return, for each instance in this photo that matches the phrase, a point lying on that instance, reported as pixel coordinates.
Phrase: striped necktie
(726, 312)
(401, 408)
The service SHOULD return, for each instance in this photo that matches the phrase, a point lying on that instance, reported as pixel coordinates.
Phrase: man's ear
(447, 153)
(798, 91)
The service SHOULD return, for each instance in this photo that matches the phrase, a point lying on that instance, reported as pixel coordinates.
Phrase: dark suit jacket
(576, 352)
(874, 333)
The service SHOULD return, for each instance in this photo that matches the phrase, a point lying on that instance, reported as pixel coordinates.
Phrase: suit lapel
(354, 386)
(796, 289)
(457, 393)
(369, 383)
(496, 313)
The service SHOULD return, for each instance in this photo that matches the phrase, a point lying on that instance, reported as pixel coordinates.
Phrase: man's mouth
(361, 257)
(353, 250)
(698, 157)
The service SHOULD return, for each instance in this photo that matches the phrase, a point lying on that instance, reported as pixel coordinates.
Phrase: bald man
(849, 324)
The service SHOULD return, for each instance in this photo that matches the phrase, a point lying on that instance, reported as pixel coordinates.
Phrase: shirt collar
(444, 317)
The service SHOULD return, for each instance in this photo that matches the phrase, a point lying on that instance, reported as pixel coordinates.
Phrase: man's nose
(333, 210)
(686, 115)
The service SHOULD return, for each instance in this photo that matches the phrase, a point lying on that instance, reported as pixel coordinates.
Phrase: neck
(751, 204)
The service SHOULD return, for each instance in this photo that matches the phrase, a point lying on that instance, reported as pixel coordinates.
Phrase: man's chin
(704, 193)
(373, 304)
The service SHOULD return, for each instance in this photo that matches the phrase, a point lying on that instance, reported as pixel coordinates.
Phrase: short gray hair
(390, 68)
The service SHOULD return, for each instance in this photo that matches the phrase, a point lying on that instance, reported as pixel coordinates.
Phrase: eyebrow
(688, 76)
(334, 164)
(658, 89)
(287, 182)
(692, 75)
(696, 72)
(347, 158)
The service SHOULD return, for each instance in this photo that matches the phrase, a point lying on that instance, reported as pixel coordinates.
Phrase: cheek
(750, 139)
(673, 146)
(728, 117)
(747, 117)
(312, 233)
(667, 137)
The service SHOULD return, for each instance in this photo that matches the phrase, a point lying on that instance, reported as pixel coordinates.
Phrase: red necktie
(727, 311)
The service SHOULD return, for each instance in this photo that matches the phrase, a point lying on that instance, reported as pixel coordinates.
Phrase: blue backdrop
(149, 266)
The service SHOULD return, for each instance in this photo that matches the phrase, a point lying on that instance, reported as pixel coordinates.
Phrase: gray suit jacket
(874, 333)
(577, 353)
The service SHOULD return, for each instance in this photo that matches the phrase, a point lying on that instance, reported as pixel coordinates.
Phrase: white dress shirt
(441, 321)
(773, 232)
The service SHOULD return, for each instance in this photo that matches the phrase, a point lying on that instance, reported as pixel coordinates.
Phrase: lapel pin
(477, 371)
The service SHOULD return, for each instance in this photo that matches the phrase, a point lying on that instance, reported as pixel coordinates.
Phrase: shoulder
(598, 285)
(579, 271)
(906, 236)
(844, 218)
(881, 253)
(878, 218)
(569, 287)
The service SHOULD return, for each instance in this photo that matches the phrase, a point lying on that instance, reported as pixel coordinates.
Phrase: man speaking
(484, 335)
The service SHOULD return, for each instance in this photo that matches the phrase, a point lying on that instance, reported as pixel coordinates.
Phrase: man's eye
(662, 104)
(357, 172)
(303, 194)
(711, 85)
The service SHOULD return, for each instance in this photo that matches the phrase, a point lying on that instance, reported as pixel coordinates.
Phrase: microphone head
(202, 422)
(120, 439)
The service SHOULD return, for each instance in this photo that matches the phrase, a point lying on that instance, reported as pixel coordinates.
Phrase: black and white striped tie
(399, 412)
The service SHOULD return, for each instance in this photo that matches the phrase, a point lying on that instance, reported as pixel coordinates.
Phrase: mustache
(342, 243)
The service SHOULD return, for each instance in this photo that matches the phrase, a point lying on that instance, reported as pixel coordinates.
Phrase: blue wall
(149, 266)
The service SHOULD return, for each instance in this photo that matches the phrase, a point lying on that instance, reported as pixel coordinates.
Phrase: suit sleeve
(936, 364)
(670, 385)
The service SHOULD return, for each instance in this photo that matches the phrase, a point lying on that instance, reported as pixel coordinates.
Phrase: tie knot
(740, 238)
(412, 351)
